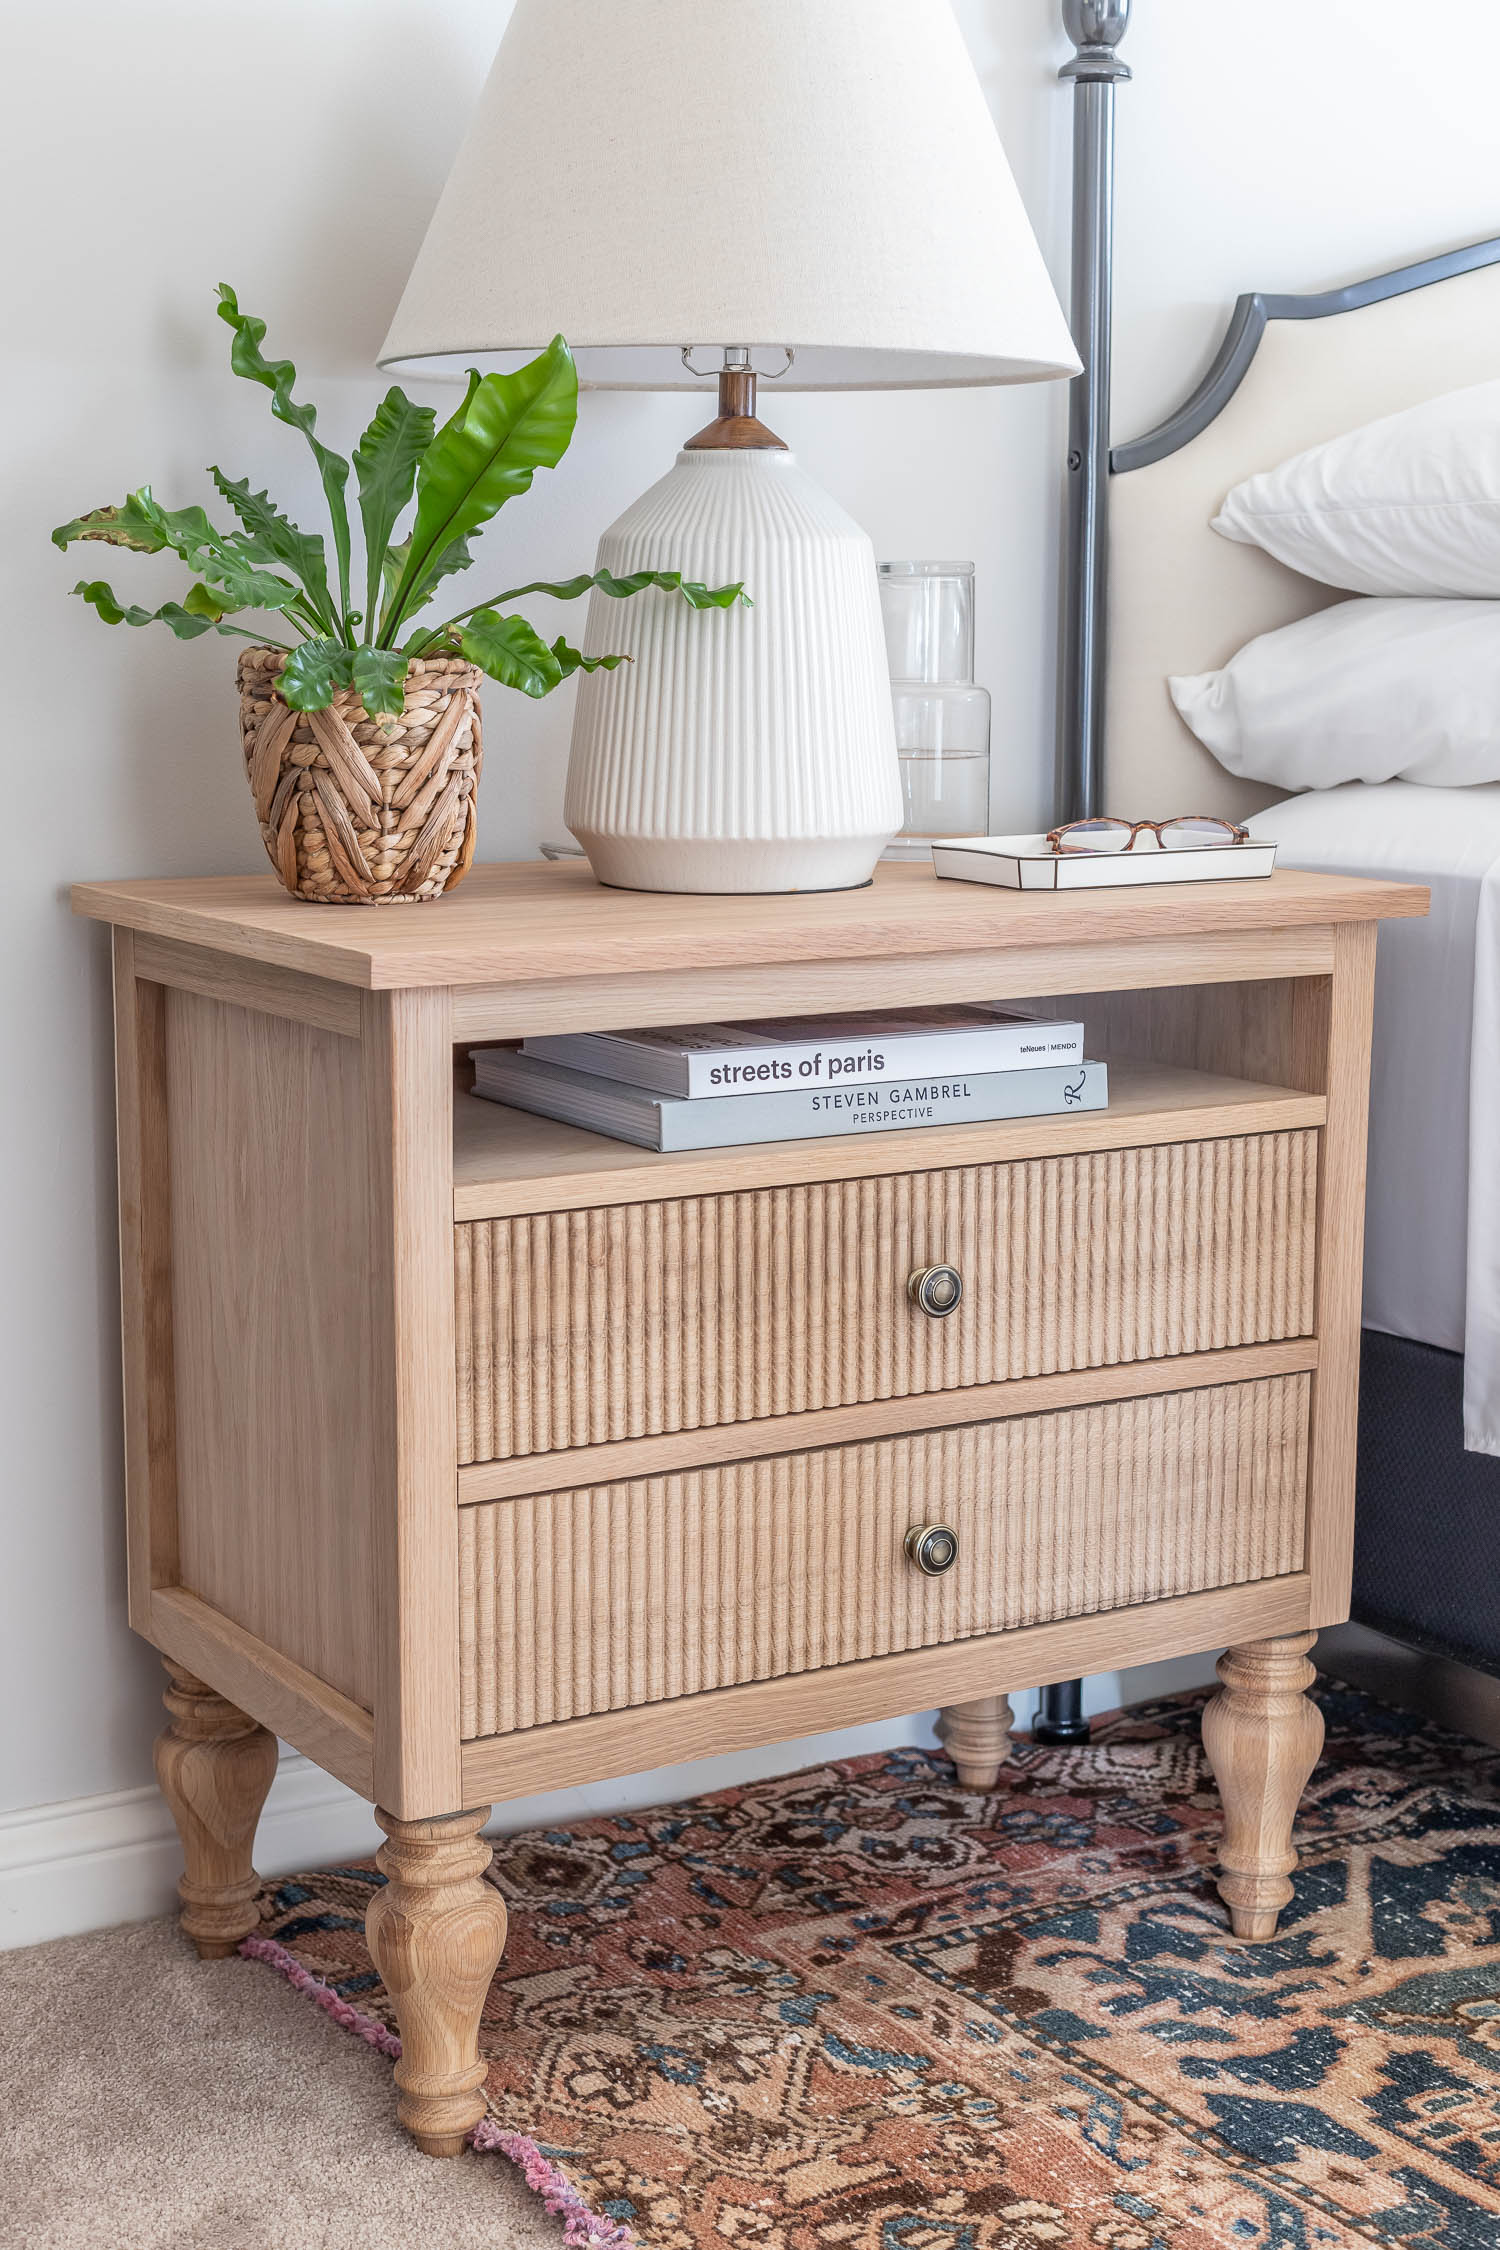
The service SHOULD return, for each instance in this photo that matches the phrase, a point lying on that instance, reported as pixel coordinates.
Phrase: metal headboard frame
(1247, 325)
(1096, 28)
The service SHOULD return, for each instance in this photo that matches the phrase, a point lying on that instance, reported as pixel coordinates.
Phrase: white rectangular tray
(1027, 863)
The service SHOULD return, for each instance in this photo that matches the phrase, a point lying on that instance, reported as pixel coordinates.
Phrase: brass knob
(933, 1547)
(937, 1290)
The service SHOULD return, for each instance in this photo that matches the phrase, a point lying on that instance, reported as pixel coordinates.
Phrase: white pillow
(1406, 505)
(1364, 691)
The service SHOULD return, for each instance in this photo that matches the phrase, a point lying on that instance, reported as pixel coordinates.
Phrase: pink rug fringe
(583, 2229)
(580, 2225)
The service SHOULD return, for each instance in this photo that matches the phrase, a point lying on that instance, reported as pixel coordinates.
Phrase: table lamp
(690, 188)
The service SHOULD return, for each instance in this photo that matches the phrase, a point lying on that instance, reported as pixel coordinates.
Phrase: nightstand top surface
(532, 920)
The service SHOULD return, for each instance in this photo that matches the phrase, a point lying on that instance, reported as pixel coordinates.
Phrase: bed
(1293, 372)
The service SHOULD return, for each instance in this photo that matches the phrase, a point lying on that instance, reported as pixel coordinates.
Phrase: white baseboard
(93, 1861)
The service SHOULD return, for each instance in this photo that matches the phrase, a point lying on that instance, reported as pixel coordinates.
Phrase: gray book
(668, 1122)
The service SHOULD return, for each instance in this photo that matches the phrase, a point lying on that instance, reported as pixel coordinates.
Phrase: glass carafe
(942, 718)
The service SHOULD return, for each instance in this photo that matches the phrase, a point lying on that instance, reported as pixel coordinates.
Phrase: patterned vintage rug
(864, 2009)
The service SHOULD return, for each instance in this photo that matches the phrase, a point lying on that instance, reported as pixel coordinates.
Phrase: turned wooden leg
(976, 1737)
(214, 1766)
(436, 1933)
(1262, 1737)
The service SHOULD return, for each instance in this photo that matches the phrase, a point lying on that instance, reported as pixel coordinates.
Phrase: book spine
(639, 1123)
(722, 1073)
(895, 1105)
(659, 1070)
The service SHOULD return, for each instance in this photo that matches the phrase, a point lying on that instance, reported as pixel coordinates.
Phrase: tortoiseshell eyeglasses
(1189, 832)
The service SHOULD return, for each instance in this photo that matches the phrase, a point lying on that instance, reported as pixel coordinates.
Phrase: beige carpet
(150, 2101)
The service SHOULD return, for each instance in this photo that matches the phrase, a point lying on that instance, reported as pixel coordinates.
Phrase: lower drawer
(614, 1595)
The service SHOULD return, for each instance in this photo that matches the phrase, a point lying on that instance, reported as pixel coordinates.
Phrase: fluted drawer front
(623, 1594)
(580, 1327)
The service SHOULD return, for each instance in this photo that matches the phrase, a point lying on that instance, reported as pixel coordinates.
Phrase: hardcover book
(670, 1122)
(1028, 863)
(700, 1061)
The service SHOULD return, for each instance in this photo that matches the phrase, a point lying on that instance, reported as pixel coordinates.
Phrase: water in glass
(942, 718)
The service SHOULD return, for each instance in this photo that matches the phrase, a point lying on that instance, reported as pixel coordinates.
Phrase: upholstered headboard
(1292, 372)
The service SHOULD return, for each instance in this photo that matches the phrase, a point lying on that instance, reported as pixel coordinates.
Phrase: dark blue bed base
(1427, 1518)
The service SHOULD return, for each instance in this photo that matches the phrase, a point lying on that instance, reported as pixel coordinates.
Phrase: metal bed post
(1096, 28)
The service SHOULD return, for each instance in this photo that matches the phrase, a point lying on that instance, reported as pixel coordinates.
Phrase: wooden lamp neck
(736, 427)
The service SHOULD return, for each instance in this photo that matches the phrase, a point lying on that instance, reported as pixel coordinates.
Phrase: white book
(675, 1121)
(1028, 863)
(699, 1061)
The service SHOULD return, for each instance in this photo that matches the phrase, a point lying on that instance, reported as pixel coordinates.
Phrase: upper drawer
(581, 1327)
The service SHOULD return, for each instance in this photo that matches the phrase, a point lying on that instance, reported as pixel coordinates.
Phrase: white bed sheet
(1432, 1231)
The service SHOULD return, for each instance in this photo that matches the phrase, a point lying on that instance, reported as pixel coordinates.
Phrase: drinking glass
(942, 718)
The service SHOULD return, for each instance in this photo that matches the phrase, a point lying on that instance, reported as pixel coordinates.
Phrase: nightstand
(476, 1455)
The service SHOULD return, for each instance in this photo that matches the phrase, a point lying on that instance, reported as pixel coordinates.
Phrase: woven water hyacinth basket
(356, 811)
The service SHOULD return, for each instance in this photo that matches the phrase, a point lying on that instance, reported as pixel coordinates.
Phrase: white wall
(295, 147)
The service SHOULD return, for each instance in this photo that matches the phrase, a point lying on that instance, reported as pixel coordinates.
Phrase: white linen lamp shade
(814, 176)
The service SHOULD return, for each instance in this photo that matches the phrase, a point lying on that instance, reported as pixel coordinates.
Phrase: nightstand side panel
(1338, 1017)
(272, 1332)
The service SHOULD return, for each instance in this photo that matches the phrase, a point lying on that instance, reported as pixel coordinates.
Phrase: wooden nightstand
(477, 1455)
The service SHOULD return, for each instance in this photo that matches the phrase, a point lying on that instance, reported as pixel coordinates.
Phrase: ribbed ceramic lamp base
(689, 863)
(747, 749)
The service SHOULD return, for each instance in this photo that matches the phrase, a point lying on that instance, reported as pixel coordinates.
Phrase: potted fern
(360, 724)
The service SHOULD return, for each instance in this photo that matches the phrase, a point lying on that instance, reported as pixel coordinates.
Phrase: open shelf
(506, 1161)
